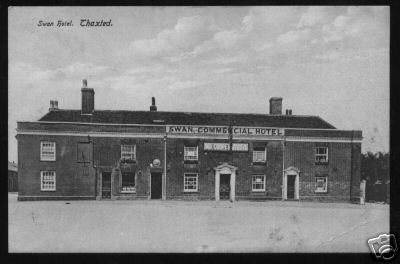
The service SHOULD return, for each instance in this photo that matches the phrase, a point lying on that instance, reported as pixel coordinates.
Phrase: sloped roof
(187, 118)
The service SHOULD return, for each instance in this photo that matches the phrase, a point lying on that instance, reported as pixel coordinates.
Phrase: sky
(330, 61)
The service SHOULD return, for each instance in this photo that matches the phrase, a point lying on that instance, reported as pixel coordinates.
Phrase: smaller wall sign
(225, 146)
(156, 163)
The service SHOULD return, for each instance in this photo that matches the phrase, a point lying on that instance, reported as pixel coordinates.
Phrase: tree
(375, 169)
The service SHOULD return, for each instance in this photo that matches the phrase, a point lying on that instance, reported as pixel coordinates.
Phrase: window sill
(190, 191)
(258, 191)
(321, 163)
(47, 190)
(321, 191)
(127, 191)
(48, 160)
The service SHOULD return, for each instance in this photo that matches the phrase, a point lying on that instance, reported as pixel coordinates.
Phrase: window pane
(321, 154)
(128, 179)
(128, 152)
(321, 184)
(190, 182)
(48, 179)
(48, 150)
(258, 182)
(259, 156)
(190, 153)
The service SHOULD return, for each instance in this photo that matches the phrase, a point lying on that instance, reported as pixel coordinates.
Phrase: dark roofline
(187, 118)
(188, 113)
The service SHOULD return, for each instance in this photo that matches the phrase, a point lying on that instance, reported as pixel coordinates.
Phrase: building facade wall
(73, 180)
(84, 181)
(208, 160)
(341, 170)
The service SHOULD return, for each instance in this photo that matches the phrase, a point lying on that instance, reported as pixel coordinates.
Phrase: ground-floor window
(321, 184)
(128, 182)
(190, 182)
(258, 183)
(47, 180)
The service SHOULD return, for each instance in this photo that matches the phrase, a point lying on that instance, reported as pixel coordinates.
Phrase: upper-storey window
(128, 152)
(47, 151)
(321, 154)
(191, 153)
(259, 154)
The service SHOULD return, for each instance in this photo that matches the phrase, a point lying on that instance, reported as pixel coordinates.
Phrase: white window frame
(253, 182)
(323, 190)
(45, 188)
(257, 152)
(187, 157)
(191, 175)
(47, 157)
(322, 155)
(131, 153)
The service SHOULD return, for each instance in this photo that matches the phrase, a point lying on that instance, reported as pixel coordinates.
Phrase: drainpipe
(164, 175)
(351, 166)
(283, 165)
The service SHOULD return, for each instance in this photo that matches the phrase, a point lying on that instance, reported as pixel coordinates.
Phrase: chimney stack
(87, 99)
(288, 111)
(53, 105)
(275, 106)
(153, 106)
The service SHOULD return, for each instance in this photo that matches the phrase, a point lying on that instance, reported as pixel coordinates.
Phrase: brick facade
(84, 181)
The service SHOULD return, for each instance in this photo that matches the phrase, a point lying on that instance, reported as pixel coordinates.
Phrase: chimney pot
(153, 106)
(84, 81)
(275, 106)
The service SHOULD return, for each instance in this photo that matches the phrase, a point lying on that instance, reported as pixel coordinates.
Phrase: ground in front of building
(198, 226)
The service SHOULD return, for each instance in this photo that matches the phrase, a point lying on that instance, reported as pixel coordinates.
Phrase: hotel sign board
(225, 147)
(223, 130)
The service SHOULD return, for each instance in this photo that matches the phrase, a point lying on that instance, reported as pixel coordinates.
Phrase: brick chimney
(53, 105)
(87, 99)
(153, 106)
(275, 106)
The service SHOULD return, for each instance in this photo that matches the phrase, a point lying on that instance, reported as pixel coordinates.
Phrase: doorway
(225, 186)
(156, 186)
(106, 185)
(291, 180)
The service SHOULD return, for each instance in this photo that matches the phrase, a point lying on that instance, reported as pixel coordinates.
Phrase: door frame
(291, 171)
(225, 168)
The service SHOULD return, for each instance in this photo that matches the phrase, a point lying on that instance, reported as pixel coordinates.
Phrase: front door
(106, 185)
(224, 186)
(156, 185)
(291, 186)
